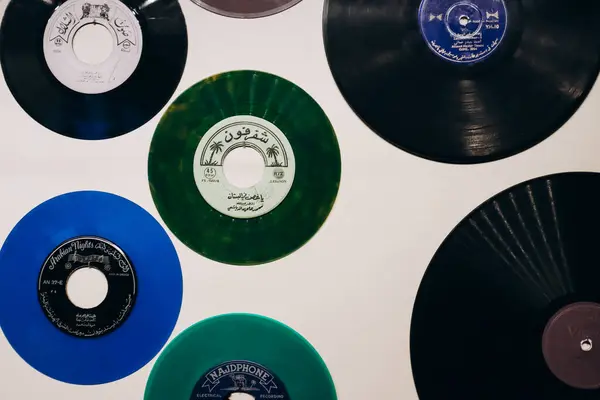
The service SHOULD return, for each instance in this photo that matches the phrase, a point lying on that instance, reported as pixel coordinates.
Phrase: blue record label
(463, 32)
(237, 380)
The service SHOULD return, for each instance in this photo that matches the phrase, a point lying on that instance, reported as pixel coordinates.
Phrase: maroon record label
(571, 345)
(246, 8)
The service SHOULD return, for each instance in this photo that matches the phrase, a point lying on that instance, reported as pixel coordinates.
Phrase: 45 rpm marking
(79, 253)
(260, 135)
(300, 181)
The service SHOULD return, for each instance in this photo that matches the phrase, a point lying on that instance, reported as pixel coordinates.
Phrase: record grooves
(509, 305)
(246, 9)
(99, 101)
(300, 179)
(397, 67)
(232, 356)
(111, 340)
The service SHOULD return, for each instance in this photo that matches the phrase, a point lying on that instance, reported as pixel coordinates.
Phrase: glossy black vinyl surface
(531, 85)
(93, 116)
(490, 289)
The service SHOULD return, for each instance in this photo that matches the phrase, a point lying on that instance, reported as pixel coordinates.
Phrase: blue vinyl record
(119, 336)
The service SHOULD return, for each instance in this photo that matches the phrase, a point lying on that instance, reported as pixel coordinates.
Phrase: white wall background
(350, 290)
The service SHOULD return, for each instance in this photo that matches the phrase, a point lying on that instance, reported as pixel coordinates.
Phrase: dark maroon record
(571, 345)
(509, 307)
(246, 8)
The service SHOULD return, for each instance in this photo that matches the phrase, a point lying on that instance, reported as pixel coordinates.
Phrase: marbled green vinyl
(247, 337)
(309, 201)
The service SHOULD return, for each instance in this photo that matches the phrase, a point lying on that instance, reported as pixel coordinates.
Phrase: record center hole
(87, 288)
(240, 396)
(92, 44)
(586, 344)
(243, 167)
(464, 20)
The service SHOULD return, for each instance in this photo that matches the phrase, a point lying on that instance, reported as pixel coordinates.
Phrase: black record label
(236, 380)
(87, 252)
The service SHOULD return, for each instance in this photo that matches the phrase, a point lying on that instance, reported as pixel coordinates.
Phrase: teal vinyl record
(297, 150)
(240, 357)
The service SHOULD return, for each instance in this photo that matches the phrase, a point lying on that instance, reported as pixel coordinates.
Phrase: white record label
(60, 55)
(260, 135)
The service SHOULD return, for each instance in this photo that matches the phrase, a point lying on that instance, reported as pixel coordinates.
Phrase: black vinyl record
(463, 81)
(99, 101)
(509, 305)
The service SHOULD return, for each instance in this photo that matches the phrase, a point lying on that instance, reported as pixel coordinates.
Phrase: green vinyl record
(298, 186)
(239, 356)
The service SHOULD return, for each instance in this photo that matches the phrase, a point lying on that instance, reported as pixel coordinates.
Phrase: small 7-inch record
(463, 81)
(240, 357)
(509, 307)
(246, 8)
(290, 135)
(102, 233)
(87, 98)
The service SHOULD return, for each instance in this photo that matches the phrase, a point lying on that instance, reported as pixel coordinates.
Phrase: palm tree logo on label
(273, 152)
(215, 148)
(271, 146)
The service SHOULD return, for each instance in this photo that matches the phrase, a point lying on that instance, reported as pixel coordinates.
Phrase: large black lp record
(463, 81)
(509, 306)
